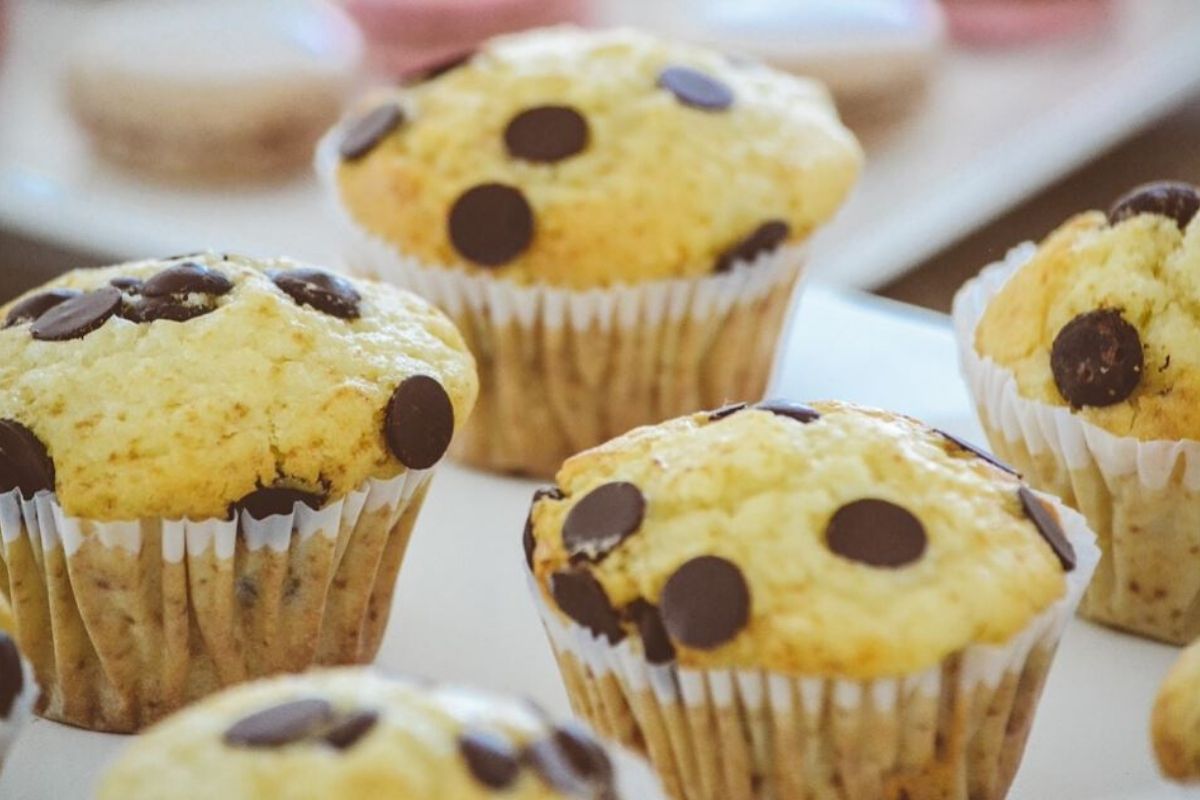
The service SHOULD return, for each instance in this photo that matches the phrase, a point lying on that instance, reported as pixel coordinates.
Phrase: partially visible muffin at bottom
(347, 734)
(790, 601)
(210, 467)
(1175, 723)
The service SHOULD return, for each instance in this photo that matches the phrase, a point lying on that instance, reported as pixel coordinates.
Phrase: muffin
(18, 691)
(789, 601)
(346, 734)
(1175, 724)
(209, 470)
(616, 223)
(1081, 356)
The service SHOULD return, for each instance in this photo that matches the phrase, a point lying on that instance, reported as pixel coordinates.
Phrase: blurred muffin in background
(212, 92)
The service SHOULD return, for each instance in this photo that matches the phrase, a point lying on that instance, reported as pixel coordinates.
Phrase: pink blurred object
(1012, 21)
(409, 36)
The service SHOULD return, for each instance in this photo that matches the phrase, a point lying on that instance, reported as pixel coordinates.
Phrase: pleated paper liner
(1141, 497)
(955, 731)
(125, 622)
(563, 370)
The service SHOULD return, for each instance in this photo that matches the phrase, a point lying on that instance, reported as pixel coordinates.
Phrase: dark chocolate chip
(603, 519)
(173, 308)
(725, 411)
(527, 541)
(280, 725)
(545, 134)
(12, 679)
(656, 645)
(877, 533)
(766, 238)
(978, 452)
(24, 462)
(438, 68)
(419, 422)
(369, 130)
(1047, 524)
(272, 500)
(582, 598)
(322, 290)
(491, 224)
(1179, 201)
(1097, 359)
(189, 278)
(786, 408)
(705, 603)
(696, 89)
(571, 761)
(32, 307)
(77, 317)
(490, 757)
(348, 730)
(127, 284)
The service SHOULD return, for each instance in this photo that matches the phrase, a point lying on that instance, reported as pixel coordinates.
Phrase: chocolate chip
(545, 134)
(571, 761)
(1097, 359)
(766, 238)
(527, 541)
(78, 316)
(175, 309)
(12, 678)
(725, 411)
(603, 519)
(491, 224)
(582, 598)
(322, 290)
(347, 731)
(189, 278)
(369, 130)
(127, 284)
(786, 408)
(696, 89)
(877, 533)
(34, 306)
(1047, 524)
(491, 758)
(978, 452)
(1179, 201)
(280, 725)
(439, 68)
(705, 603)
(24, 462)
(656, 645)
(269, 501)
(419, 422)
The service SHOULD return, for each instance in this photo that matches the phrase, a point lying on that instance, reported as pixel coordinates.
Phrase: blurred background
(126, 126)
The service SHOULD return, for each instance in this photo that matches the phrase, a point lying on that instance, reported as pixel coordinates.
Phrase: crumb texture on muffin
(198, 380)
(1110, 314)
(350, 733)
(826, 540)
(598, 158)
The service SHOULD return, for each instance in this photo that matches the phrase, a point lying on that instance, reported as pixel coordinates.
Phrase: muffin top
(1105, 318)
(347, 734)
(189, 386)
(830, 540)
(588, 159)
(1175, 723)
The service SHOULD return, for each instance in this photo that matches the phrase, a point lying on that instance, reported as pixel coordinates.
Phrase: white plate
(462, 612)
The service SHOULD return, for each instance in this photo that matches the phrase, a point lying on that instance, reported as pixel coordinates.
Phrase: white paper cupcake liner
(953, 731)
(562, 370)
(1141, 497)
(127, 621)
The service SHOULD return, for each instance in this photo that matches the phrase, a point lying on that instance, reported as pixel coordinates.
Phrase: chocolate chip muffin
(878, 600)
(616, 222)
(343, 734)
(1081, 356)
(209, 470)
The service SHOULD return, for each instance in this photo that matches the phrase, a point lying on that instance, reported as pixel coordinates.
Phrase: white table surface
(993, 128)
(462, 612)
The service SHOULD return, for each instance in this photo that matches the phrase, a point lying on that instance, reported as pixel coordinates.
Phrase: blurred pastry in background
(212, 92)
(415, 37)
(1000, 22)
(18, 690)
